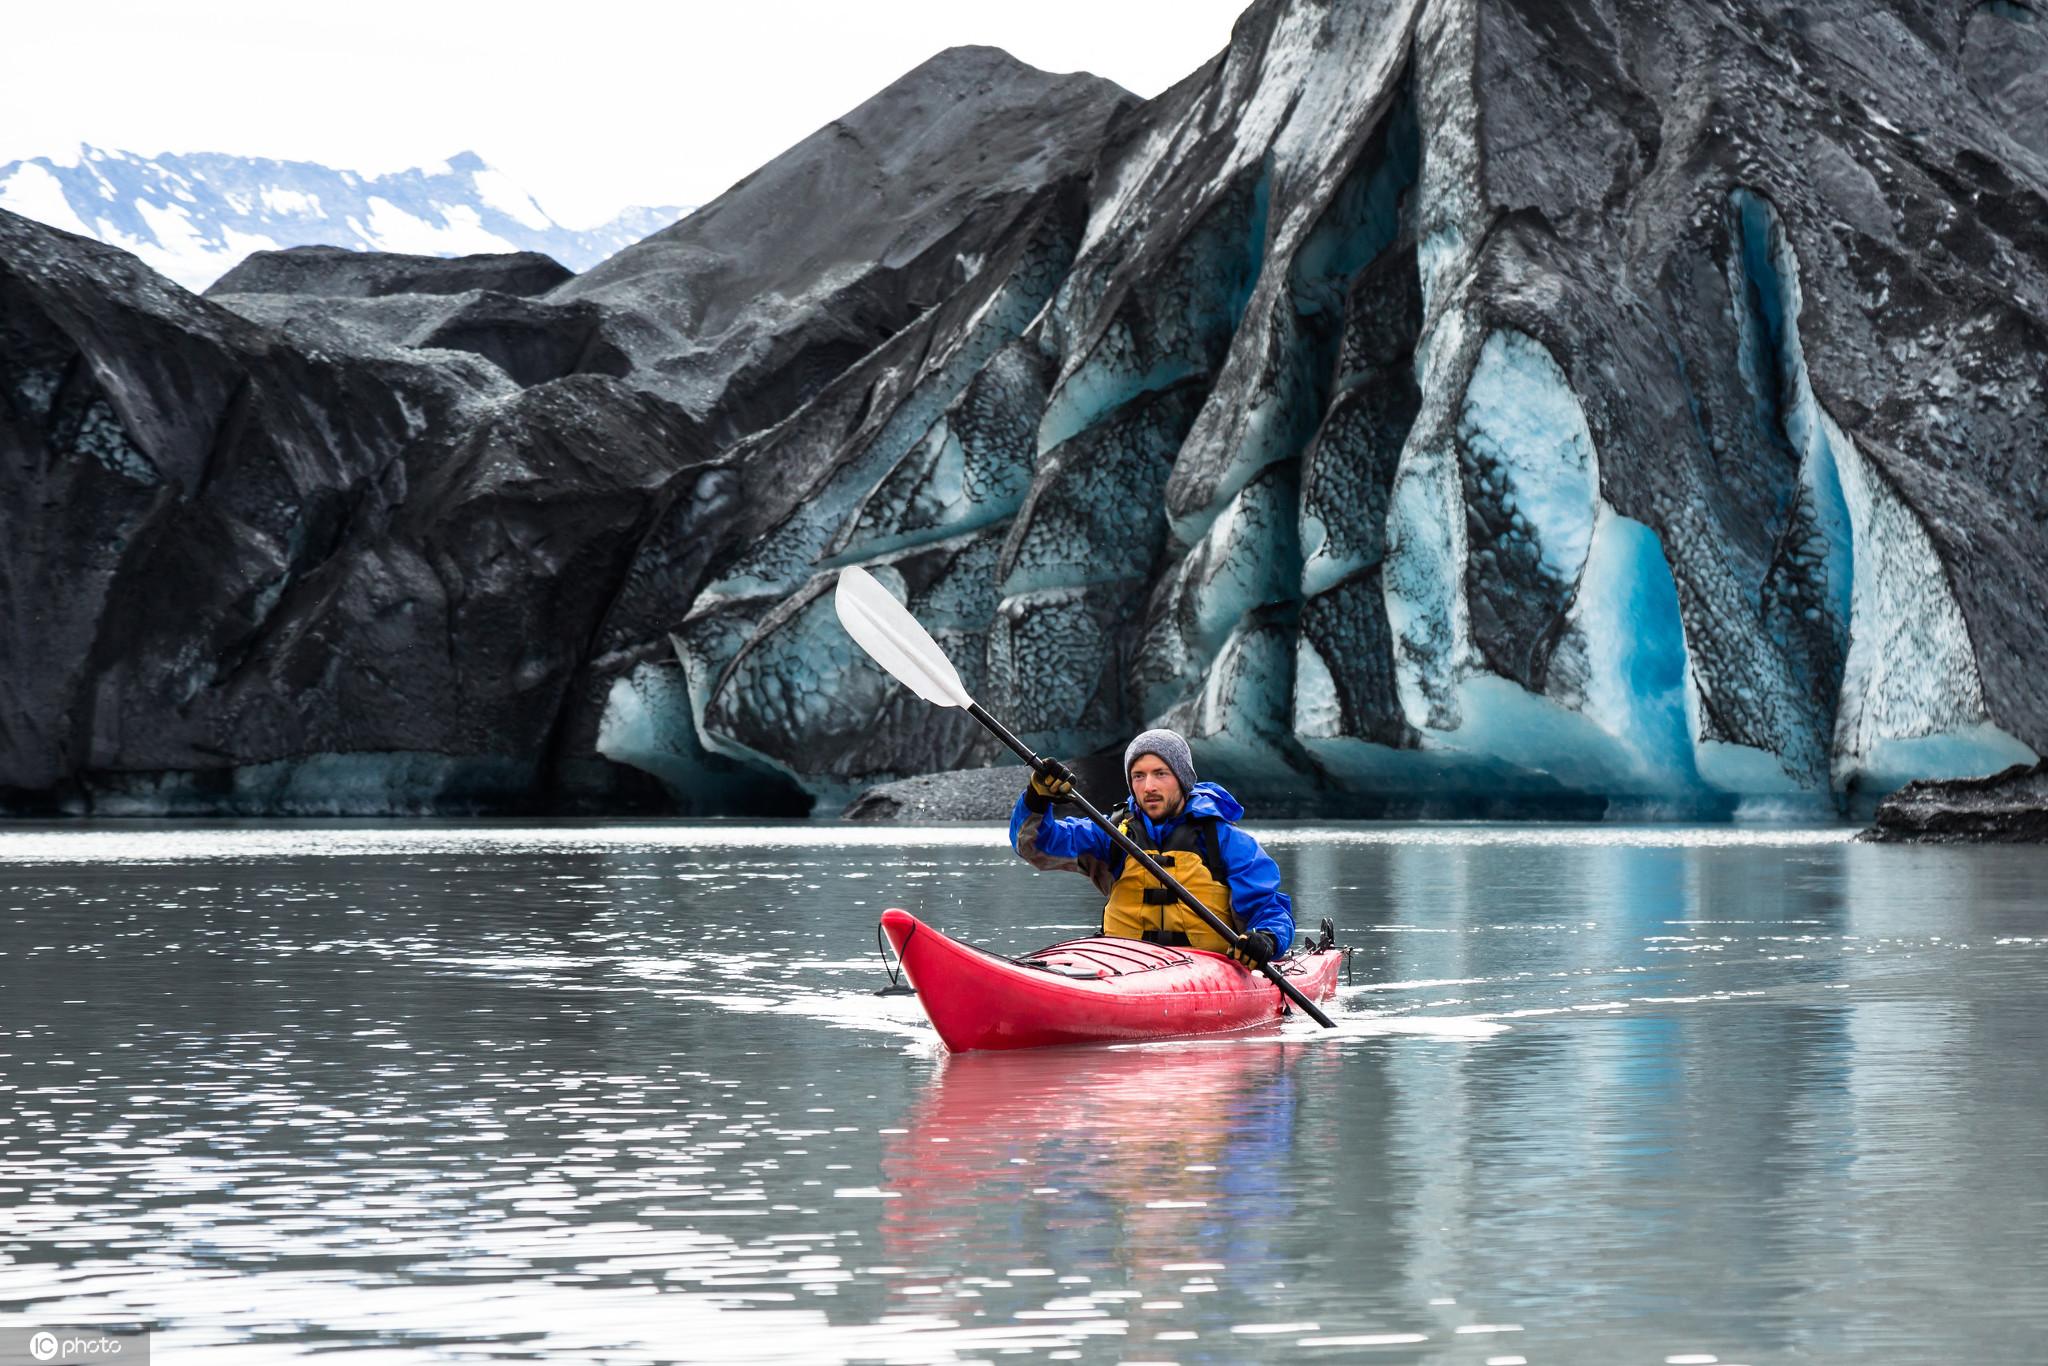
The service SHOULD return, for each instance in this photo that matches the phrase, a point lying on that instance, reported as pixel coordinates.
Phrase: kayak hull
(1094, 990)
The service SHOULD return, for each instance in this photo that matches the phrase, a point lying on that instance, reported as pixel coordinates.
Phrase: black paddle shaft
(1151, 865)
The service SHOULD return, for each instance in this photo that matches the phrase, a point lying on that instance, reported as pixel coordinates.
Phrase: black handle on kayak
(1151, 865)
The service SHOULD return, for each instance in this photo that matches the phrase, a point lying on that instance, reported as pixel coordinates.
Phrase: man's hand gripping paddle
(885, 628)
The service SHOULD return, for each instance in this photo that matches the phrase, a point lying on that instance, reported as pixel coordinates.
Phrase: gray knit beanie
(1168, 746)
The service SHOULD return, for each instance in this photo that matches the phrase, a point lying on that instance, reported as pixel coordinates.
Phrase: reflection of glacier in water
(617, 1094)
(197, 843)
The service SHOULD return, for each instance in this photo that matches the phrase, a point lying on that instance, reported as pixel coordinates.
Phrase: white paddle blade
(885, 629)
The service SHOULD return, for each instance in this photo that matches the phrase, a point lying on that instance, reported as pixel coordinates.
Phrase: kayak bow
(1093, 990)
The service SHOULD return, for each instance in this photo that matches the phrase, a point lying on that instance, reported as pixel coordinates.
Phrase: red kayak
(1094, 990)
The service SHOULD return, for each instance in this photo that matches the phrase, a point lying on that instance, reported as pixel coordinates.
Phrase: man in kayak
(1189, 826)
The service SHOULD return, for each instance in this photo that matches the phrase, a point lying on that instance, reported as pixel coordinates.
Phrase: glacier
(1430, 408)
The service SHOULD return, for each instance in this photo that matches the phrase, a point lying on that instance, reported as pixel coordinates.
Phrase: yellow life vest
(1141, 907)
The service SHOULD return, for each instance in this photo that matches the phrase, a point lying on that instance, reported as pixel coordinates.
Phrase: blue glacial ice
(1246, 560)
(1422, 576)
(649, 724)
(1612, 718)
(1619, 714)
(786, 557)
(1274, 387)
(1318, 714)
(1423, 570)
(1524, 430)
(1625, 633)
(971, 469)
(1057, 664)
(1911, 701)
(1219, 663)
(1242, 716)
(1179, 326)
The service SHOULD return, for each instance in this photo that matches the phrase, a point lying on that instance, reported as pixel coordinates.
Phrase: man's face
(1157, 790)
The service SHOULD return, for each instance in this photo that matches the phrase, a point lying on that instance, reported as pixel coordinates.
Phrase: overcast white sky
(590, 105)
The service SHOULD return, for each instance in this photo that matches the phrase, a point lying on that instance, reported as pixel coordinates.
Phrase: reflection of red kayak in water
(1090, 990)
(1095, 1160)
(1203, 1094)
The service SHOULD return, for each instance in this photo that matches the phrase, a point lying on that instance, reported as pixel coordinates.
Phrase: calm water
(622, 1094)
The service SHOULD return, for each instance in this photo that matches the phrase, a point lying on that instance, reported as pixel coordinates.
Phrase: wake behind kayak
(1093, 990)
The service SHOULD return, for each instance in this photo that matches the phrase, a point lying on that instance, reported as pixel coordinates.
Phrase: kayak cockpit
(1095, 958)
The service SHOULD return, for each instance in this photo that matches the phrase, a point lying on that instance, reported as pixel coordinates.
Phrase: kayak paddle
(889, 633)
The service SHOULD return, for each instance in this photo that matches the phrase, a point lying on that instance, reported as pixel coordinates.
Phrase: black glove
(1256, 948)
(1052, 783)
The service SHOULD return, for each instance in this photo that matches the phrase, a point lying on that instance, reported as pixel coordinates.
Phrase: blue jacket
(1077, 844)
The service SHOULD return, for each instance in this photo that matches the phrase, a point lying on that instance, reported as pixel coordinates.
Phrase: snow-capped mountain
(195, 216)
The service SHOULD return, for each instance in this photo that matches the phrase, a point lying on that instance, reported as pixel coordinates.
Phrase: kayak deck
(1090, 990)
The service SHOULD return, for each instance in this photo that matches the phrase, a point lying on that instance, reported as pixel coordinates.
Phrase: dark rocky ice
(339, 273)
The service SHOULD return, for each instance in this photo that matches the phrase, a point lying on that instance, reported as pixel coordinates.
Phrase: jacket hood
(1207, 799)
